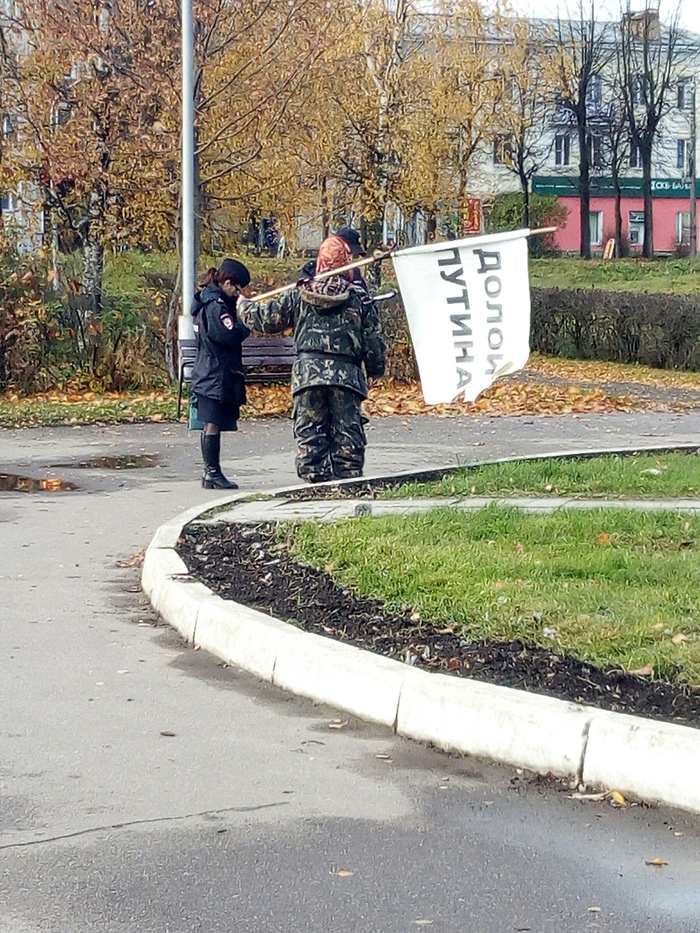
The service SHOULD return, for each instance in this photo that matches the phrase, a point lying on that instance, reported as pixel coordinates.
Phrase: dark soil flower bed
(245, 563)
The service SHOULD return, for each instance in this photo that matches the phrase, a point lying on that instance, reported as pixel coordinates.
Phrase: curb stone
(654, 761)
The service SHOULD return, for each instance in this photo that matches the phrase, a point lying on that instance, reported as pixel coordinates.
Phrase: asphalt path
(144, 787)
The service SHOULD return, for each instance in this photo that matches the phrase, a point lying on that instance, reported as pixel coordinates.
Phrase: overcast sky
(690, 9)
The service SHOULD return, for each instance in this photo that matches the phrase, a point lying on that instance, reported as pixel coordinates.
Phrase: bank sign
(567, 186)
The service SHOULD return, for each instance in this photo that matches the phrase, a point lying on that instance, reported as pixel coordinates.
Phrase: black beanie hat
(235, 271)
(352, 238)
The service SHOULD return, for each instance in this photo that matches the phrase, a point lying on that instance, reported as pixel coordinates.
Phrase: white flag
(468, 309)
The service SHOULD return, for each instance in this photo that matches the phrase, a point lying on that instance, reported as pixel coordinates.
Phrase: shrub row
(587, 324)
(49, 340)
(623, 327)
(44, 343)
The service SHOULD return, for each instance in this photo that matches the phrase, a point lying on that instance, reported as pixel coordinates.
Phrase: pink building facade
(671, 210)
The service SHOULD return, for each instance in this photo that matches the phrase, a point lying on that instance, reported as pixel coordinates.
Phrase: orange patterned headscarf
(334, 253)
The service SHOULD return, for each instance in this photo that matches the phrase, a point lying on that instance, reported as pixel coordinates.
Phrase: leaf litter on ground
(582, 392)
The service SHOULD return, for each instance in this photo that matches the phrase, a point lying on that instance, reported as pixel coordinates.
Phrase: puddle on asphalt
(12, 482)
(123, 462)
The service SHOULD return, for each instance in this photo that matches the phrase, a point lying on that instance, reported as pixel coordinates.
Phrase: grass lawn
(124, 271)
(661, 276)
(66, 408)
(609, 588)
(79, 407)
(658, 476)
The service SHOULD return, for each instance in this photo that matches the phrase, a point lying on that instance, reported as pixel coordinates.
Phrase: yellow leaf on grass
(679, 638)
(603, 538)
(646, 671)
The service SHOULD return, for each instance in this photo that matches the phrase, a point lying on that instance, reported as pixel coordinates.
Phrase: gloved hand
(245, 309)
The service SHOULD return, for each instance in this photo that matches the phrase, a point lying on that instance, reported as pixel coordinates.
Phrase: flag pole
(359, 263)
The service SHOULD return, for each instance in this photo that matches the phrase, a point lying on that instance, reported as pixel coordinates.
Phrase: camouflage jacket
(337, 337)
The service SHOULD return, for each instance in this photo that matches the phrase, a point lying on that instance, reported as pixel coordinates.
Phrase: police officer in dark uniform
(218, 380)
(339, 343)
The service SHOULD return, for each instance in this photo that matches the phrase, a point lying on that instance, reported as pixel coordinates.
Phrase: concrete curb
(654, 761)
(429, 474)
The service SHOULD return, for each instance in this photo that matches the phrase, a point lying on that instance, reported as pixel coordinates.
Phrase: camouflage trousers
(329, 433)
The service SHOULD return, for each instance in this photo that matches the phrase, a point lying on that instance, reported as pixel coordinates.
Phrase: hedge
(621, 327)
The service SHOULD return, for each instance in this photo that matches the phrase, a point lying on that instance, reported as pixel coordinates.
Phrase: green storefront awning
(567, 186)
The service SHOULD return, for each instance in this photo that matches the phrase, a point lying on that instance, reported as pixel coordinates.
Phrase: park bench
(265, 359)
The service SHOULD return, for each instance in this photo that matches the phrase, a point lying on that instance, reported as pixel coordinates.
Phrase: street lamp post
(692, 168)
(188, 258)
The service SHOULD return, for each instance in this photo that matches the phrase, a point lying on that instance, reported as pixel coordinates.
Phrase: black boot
(213, 478)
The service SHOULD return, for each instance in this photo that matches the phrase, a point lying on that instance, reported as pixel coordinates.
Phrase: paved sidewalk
(284, 509)
(646, 759)
(145, 788)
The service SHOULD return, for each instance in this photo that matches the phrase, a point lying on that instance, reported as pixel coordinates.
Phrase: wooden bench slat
(268, 359)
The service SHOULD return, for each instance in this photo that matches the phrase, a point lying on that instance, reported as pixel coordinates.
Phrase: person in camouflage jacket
(339, 344)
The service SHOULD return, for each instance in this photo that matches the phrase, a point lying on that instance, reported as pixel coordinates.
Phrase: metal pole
(692, 169)
(189, 260)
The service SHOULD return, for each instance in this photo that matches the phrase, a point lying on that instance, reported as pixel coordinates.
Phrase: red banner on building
(472, 216)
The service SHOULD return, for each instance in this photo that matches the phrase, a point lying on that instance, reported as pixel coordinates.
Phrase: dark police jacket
(218, 369)
(337, 337)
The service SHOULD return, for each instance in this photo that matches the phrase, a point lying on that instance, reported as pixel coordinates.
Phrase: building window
(682, 155)
(594, 97)
(595, 151)
(685, 94)
(637, 90)
(635, 156)
(562, 149)
(502, 150)
(7, 203)
(596, 228)
(683, 228)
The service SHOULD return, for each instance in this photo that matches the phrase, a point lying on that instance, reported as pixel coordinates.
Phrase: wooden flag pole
(359, 263)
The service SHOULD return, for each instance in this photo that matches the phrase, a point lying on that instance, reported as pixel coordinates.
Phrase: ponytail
(230, 270)
(209, 277)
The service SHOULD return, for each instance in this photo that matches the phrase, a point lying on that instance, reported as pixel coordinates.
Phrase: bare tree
(614, 129)
(526, 107)
(649, 56)
(584, 52)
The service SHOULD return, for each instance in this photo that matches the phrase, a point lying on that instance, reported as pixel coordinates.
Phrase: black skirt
(221, 413)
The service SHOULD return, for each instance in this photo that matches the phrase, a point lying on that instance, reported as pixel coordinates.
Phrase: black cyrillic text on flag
(490, 263)
(460, 329)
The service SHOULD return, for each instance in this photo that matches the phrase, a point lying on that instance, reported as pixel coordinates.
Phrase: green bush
(49, 339)
(506, 213)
